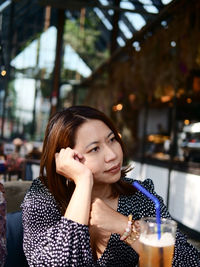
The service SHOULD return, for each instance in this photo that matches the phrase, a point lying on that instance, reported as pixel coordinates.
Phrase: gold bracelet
(134, 235)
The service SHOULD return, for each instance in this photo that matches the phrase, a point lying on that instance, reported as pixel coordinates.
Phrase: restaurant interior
(145, 76)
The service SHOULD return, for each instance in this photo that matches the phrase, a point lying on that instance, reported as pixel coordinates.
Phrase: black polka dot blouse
(52, 240)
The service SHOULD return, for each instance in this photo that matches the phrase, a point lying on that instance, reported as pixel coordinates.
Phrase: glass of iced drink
(157, 250)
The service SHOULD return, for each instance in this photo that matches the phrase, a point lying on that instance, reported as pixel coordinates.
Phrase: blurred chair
(14, 193)
(14, 235)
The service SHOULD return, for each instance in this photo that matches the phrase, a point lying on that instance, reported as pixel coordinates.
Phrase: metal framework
(28, 18)
(21, 21)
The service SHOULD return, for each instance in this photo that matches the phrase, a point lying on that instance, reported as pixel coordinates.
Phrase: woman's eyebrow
(109, 134)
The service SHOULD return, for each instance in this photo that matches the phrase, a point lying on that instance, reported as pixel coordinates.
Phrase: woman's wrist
(85, 180)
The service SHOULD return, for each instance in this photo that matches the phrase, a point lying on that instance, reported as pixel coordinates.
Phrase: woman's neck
(102, 191)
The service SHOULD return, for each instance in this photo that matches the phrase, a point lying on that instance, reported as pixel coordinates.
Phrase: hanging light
(132, 98)
(117, 107)
(186, 122)
(3, 71)
(165, 98)
(189, 100)
(173, 44)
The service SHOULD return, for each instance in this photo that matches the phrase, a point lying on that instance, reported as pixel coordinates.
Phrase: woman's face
(102, 153)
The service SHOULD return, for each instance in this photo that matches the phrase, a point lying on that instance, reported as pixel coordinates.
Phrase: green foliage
(46, 88)
(67, 74)
(83, 39)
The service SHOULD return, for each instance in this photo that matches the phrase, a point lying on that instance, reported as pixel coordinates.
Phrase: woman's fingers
(106, 218)
(70, 163)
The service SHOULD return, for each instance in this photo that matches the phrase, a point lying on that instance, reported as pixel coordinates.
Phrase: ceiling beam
(78, 4)
(69, 4)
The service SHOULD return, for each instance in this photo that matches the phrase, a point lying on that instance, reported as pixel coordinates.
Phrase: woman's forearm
(78, 209)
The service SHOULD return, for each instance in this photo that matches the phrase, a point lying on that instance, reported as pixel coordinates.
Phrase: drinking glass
(156, 250)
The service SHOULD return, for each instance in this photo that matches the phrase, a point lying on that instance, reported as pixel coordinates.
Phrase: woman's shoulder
(37, 187)
(38, 193)
(38, 202)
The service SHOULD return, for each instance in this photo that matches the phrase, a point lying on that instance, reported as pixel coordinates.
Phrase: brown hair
(60, 133)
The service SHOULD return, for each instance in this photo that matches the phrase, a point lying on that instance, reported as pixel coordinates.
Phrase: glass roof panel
(165, 2)
(148, 6)
(73, 61)
(151, 9)
(120, 41)
(145, 2)
(136, 19)
(127, 4)
(103, 18)
(27, 58)
(111, 12)
(104, 2)
(125, 29)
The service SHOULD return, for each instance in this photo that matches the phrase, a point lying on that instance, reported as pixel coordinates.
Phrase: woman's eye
(112, 139)
(95, 149)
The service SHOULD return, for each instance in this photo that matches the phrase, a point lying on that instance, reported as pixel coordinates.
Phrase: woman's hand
(105, 218)
(70, 164)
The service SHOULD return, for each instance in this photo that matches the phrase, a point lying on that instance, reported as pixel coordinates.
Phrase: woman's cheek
(89, 163)
(94, 167)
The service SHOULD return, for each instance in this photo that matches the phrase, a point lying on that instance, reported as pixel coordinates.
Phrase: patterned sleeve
(49, 238)
(184, 254)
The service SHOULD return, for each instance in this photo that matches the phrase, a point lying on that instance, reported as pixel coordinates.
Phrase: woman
(75, 213)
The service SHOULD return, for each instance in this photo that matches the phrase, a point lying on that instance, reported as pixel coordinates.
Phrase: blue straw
(155, 200)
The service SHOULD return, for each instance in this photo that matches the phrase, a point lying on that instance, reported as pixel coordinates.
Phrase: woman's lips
(114, 169)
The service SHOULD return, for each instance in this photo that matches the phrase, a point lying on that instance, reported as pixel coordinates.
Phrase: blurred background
(136, 60)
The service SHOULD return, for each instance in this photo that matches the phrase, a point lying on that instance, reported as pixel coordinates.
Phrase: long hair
(60, 133)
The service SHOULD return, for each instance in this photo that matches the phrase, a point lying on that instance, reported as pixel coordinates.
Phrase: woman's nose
(110, 154)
